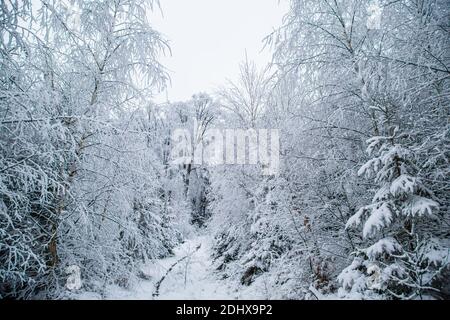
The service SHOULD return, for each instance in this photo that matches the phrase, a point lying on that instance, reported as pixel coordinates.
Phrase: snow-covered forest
(93, 204)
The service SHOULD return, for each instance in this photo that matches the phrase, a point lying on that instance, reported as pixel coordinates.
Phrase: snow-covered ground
(192, 278)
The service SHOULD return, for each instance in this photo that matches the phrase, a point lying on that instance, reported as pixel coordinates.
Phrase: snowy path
(192, 278)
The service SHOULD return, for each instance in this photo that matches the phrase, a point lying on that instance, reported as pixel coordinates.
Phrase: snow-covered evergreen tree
(406, 256)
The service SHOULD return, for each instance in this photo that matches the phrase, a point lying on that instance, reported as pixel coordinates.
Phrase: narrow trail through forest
(189, 274)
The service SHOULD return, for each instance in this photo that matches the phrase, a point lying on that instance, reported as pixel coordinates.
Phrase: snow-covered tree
(81, 181)
(407, 256)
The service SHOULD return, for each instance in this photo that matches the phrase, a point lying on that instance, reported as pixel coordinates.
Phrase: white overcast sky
(209, 39)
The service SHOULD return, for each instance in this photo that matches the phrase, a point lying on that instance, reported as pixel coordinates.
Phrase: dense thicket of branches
(361, 223)
(84, 178)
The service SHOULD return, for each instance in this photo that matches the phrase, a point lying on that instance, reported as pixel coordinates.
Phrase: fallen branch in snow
(158, 284)
(316, 293)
